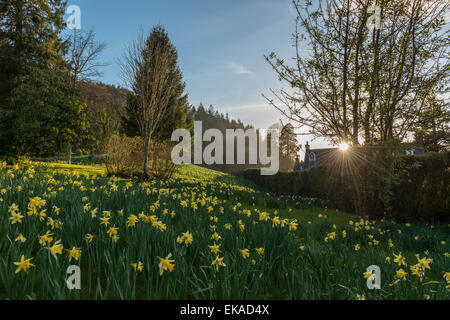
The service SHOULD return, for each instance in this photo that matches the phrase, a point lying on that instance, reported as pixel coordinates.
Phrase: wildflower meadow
(200, 235)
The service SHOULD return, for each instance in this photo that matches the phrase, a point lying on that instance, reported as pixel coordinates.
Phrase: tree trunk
(374, 83)
(69, 153)
(146, 153)
(345, 70)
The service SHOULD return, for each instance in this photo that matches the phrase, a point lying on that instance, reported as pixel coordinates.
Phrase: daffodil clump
(204, 236)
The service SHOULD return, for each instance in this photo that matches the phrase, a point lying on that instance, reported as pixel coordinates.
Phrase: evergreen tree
(288, 148)
(46, 115)
(177, 114)
(29, 36)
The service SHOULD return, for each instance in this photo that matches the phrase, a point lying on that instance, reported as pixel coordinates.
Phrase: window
(312, 156)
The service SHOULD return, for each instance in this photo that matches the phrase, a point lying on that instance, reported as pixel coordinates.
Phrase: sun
(344, 146)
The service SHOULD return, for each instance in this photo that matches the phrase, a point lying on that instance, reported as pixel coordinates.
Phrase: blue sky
(220, 43)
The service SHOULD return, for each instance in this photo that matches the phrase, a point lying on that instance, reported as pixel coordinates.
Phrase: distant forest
(107, 103)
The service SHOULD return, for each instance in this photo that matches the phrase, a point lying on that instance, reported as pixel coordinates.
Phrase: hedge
(403, 187)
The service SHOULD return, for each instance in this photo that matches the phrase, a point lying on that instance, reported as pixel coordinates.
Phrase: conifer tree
(29, 37)
(177, 113)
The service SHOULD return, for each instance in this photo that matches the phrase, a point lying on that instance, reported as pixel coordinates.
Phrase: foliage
(162, 166)
(149, 68)
(406, 187)
(433, 128)
(212, 119)
(83, 56)
(117, 231)
(288, 148)
(124, 155)
(106, 103)
(421, 188)
(177, 116)
(360, 81)
(45, 115)
(176, 113)
(29, 36)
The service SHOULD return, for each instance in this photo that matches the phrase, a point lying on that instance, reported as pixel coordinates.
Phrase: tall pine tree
(29, 36)
(178, 111)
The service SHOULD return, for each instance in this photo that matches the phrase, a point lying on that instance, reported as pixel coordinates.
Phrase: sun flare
(344, 146)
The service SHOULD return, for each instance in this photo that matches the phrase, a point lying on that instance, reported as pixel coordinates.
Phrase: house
(316, 157)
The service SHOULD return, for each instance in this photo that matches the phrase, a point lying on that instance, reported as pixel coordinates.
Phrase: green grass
(203, 174)
(54, 167)
(306, 255)
(311, 214)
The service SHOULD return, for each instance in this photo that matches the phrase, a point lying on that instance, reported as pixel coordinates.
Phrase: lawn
(200, 235)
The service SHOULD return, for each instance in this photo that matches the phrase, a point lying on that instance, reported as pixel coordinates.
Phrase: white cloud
(238, 68)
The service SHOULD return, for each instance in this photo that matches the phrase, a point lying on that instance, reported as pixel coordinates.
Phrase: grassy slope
(324, 270)
(195, 172)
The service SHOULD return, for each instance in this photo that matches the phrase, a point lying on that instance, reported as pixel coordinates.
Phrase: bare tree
(348, 79)
(83, 56)
(146, 71)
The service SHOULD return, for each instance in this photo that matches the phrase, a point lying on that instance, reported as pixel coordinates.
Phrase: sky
(220, 43)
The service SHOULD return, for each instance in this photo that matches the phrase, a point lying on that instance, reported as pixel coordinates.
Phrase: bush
(124, 155)
(125, 158)
(162, 166)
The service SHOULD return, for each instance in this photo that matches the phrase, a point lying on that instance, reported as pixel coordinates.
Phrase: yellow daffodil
(13, 208)
(186, 237)
(215, 248)
(166, 264)
(74, 253)
(16, 218)
(139, 266)
(56, 249)
(112, 231)
(218, 262)
(399, 259)
(89, 237)
(447, 277)
(245, 253)
(131, 221)
(369, 275)
(46, 238)
(20, 238)
(400, 274)
(23, 264)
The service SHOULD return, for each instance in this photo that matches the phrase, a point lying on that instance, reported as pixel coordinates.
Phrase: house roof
(322, 154)
(322, 151)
